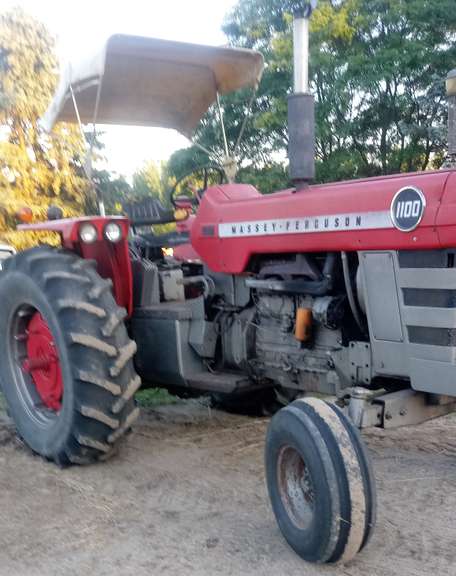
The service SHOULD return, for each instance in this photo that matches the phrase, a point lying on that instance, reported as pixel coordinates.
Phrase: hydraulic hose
(350, 293)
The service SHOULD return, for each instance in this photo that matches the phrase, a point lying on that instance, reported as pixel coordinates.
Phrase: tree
(114, 189)
(255, 150)
(377, 70)
(36, 169)
(152, 179)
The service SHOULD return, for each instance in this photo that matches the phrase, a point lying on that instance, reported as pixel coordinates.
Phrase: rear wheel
(66, 364)
(320, 481)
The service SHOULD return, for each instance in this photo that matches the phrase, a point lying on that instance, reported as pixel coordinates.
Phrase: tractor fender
(112, 258)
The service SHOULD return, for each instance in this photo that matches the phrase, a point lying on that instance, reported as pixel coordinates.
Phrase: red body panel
(113, 259)
(238, 203)
(186, 253)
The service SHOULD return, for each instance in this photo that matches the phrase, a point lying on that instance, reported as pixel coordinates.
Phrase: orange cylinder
(303, 325)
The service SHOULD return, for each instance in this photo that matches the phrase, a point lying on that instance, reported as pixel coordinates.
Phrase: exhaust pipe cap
(451, 83)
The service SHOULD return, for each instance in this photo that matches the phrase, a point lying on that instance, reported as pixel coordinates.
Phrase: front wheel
(66, 359)
(320, 481)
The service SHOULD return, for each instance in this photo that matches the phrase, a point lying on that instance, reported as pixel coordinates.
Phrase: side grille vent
(432, 336)
(426, 258)
(427, 280)
(431, 298)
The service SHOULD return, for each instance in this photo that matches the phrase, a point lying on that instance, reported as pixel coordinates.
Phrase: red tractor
(345, 290)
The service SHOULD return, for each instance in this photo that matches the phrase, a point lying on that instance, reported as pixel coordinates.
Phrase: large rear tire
(66, 359)
(320, 481)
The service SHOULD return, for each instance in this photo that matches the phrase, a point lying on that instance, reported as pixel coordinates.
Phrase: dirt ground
(186, 495)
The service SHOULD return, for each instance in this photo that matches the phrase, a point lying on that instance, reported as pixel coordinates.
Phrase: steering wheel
(184, 189)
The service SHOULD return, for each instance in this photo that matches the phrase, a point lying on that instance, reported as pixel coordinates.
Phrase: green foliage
(36, 169)
(152, 180)
(377, 71)
(151, 397)
(114, 189)
(183, 161)
(268, 178)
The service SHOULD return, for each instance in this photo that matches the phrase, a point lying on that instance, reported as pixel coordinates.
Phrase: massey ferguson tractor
(345, 291)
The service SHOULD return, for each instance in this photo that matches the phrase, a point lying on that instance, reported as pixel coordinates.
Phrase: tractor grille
(411, 307)
(428, 283)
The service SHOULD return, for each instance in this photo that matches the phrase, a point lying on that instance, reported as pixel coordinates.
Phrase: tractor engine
(297, 360)
(265, 340)
(281, 326)
(285, 337)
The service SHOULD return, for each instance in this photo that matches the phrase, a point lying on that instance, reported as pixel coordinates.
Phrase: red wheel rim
(42, 363)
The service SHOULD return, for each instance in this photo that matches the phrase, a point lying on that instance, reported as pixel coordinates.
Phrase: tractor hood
(149, 82)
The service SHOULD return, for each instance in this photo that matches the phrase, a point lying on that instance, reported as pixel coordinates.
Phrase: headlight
(113, 232)
(88, 233)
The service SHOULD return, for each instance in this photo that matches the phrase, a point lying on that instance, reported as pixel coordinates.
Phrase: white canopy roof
(151, 82)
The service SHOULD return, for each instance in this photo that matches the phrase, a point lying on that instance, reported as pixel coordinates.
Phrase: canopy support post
(222, 123)
(88, 158)
(246, 117)
(229, 163)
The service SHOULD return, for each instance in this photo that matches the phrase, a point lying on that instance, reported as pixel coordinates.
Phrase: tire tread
(104, 405)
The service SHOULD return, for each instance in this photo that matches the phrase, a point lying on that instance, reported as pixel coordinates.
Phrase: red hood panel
(235, 222)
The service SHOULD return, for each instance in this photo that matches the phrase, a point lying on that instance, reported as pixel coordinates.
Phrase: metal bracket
(407, 407)
(359, 357)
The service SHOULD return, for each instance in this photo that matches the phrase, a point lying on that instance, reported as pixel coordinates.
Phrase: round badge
(407, 208)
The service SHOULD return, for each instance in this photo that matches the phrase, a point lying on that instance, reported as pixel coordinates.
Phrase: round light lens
(88, 233)
(113, 232)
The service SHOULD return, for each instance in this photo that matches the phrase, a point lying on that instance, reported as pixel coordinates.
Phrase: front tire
(66, 362)
(320, 481)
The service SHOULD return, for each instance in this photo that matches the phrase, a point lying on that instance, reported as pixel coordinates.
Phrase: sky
(80, 24)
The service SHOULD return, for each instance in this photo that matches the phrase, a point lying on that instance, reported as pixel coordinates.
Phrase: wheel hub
(295, 487)
(42, 363)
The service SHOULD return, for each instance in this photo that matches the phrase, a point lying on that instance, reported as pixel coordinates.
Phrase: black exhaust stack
(301, 106)
(451, 96)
